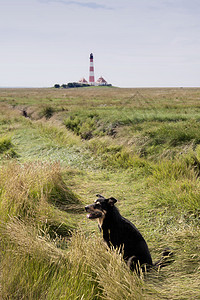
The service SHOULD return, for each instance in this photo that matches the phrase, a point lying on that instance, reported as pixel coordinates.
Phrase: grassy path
(32, 145)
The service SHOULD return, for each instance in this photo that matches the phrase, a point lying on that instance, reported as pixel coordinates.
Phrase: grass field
(141, 146)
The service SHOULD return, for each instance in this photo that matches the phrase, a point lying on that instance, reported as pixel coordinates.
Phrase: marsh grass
(30, 191)
(138, 145)
(36, 268)
(43, 142)
(110, 270)
(57, 133)
(47, 112)
(7, 149)
(35, 227)
(5, 144)
(176, 185)
(85, 269)
(116, 155)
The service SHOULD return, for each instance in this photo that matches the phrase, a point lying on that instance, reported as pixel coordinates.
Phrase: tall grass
(113, 155)
(176, 185)
(57, 133)
(36, 222)
(36, 192)
(34, 267)
(175, 134)
(114, 279)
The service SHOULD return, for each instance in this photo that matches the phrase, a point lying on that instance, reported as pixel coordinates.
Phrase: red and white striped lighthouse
(91, 74)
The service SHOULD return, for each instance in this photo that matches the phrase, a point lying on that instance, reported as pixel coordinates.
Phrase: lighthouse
(91, 74)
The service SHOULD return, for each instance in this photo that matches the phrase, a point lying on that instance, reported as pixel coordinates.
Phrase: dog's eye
(97, 206)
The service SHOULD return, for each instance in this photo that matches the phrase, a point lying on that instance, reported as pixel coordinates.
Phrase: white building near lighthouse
(83, 81)
(101, 81)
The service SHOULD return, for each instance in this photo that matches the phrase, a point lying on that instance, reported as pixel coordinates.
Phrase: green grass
(5, 144)
(141, 146)
(39, 144)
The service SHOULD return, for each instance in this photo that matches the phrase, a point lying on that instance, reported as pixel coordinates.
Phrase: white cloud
(92, 5)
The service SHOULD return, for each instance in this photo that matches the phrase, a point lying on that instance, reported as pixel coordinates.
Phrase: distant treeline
(70, 85)
(73, 85)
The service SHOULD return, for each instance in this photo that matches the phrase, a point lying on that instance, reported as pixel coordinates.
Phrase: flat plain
(58, 149)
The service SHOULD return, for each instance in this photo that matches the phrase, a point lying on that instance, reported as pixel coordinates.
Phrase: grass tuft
(5, 144)
(47, 112)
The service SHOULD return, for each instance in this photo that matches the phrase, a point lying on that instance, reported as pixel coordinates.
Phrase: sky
(135, 43)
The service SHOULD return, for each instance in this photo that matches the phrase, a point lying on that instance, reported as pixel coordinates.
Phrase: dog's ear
(112, 201)
(99, 196)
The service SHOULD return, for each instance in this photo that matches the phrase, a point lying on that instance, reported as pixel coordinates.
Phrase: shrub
(76, 85)
(47, 112)
(5, 144)
(74, 124)
(87, 129)
(7, 148)
(83, 126)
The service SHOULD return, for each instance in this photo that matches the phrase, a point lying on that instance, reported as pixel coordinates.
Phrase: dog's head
(100, 207)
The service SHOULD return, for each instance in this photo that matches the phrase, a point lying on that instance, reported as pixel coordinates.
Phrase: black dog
(120, 233)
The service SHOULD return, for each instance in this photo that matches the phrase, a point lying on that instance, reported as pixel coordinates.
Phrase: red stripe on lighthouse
(91, 79)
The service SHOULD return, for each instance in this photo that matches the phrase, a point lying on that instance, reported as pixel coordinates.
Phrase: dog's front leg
(106, 237)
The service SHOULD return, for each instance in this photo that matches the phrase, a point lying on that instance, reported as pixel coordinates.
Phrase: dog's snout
(89, 207)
